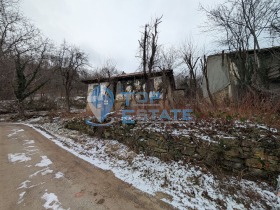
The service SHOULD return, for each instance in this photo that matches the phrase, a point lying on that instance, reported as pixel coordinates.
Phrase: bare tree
(169, 58)
(275, 28)
(190, 57)
(107, 70)
(149, 49)
(12, 27)
(243, 23)
(69, 61)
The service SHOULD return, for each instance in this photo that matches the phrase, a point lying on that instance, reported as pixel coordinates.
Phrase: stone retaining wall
(258, 158)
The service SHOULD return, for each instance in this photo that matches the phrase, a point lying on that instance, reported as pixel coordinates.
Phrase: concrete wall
(218, 74)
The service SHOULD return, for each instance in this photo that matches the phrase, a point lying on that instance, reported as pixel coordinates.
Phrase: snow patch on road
(43, 172)
(59, 175)
(23, 184)
(31, 151)
(18, 157)
(44, 162)
(15, 131)
(48, 171)
(29, 142)
(52, 202)
(21, 199)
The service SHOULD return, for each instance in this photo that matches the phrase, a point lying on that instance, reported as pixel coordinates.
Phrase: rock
(152, 143)
(233, 159)
(185, 140)
(107, 134)
(248, 143)
(246, 149)
(246, 154)
(166, 156)
(232, 165)
(202, 151)
(216, 148)
(159, 150)
(188, 151)
(257, 172)
(228, 142)
(212, 158)
(233, 152)
(273, 159)
(258, 153)
(254, 163)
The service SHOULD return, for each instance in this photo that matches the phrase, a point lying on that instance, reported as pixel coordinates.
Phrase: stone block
(233, 152)
(159, 150)
(152, 143)
(185, 140)
(188, 151)
(233, 159)
(248, 143)
(166, 156)
(258, 153)
(257, 172)
(229, 142)
(232, 165)
(246, 149)
(254, 163)
(202, 151)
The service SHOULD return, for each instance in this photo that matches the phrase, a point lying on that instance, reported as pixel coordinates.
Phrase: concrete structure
(161, 81)
(223, 71)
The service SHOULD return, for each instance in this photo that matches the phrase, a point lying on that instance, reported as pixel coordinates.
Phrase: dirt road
(37, 174)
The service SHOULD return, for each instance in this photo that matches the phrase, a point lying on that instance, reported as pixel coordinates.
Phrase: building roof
(129, 76)
(274, 68)
(263, 50)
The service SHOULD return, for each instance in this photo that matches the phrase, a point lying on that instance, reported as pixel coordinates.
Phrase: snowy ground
(213, 129)
(184, 186)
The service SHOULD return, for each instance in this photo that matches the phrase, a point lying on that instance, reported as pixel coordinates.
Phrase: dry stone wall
(252, 158)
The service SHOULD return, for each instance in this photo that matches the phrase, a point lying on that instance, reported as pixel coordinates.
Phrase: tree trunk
(67, 98)
(21, 109)
(204, 70)
(209, 92)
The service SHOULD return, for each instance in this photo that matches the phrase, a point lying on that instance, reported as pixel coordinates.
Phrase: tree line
(30, 62)
(239, 26)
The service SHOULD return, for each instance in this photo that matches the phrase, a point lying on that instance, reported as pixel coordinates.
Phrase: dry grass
(259, 110)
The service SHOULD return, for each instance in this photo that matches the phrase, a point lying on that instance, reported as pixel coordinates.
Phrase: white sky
(110, 29)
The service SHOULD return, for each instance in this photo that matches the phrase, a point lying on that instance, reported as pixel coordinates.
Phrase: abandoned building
(224, 72)
(160, 81)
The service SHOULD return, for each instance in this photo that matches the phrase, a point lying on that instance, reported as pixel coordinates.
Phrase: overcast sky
(110, 29)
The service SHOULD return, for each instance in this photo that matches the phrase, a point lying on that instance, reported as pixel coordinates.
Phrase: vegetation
(30, 63)
(35, 71)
